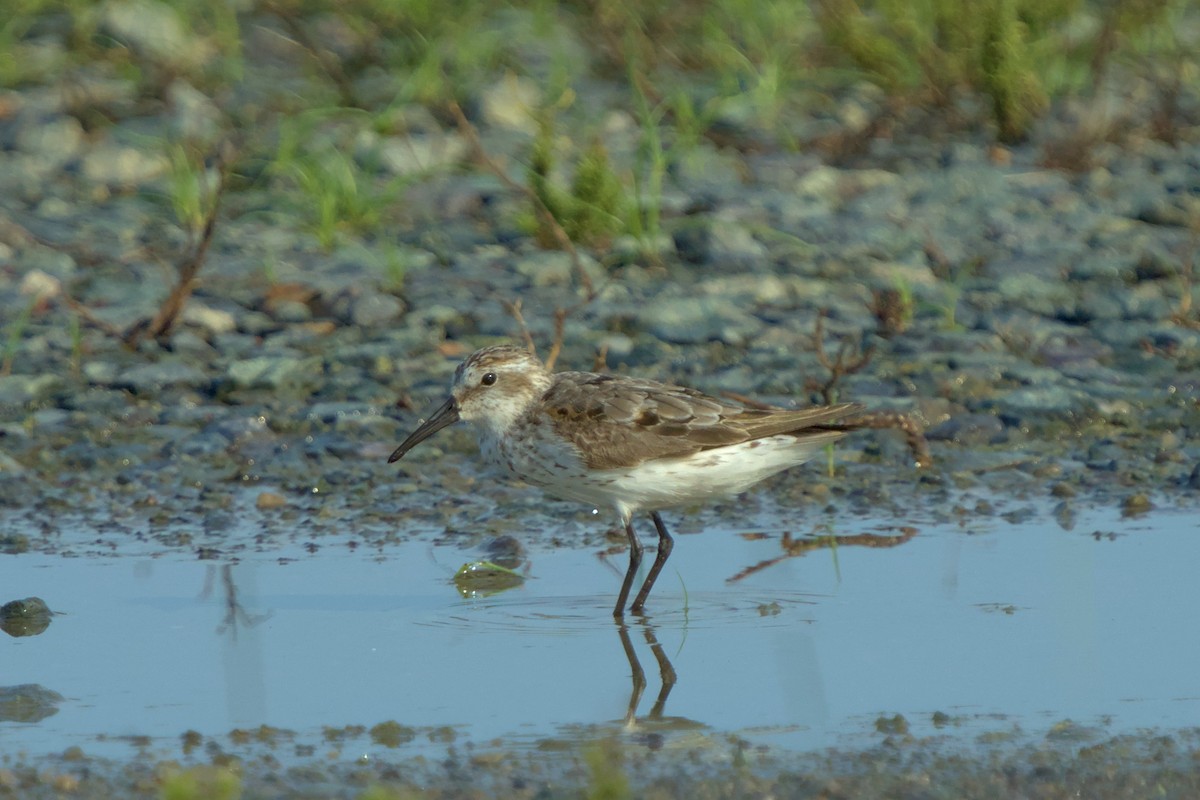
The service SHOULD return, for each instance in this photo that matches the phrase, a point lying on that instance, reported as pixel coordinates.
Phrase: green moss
(598, 196)
(202, 783)
(1006, 71)
(379, 792)
(592, 209)
(392, 734)
(933, 46)
(606, 774)
(894, 725)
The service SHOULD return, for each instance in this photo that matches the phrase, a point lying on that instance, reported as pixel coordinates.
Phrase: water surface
(997, 625)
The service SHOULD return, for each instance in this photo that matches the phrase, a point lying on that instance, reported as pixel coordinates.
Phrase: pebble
(700, 320)
(212, 320)
(195, 118)
(276, 372)
(421, 154)
(22, 390)
(968, 429)
(154, 28)
(150, 379)
(512, 103)
(52, 142)
(376, 309)
(269, 500)
(722, 242)
(1136, 504)
(123, 167)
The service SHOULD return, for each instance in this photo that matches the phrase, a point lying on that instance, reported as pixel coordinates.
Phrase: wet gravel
(1049, 364)
(1066, 761)
(1052, 353)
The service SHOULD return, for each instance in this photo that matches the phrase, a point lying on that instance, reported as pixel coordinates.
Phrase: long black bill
(447, 414)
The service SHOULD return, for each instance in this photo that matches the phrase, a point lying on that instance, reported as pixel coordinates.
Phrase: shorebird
(628, 444)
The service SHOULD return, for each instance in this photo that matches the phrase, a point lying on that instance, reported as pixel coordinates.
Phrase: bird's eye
(488, 379)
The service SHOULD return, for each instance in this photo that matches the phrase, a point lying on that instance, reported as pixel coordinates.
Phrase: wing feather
(621, 422)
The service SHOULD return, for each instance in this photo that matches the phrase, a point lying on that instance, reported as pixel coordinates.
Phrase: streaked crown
(495, 385)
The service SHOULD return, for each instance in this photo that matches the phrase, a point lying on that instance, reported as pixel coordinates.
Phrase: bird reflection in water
(665, 670)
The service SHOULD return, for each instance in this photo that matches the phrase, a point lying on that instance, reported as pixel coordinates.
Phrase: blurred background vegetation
(302, 87)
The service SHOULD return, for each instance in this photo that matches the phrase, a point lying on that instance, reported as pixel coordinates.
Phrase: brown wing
(621, 422)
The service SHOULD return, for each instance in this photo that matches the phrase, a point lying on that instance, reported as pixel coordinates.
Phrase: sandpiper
(624, 443)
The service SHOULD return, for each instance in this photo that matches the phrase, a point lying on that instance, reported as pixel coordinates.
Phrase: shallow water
(995, 624)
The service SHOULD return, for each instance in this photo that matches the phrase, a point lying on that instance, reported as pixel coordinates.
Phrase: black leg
(635, 561)
(665, 544)
(665, 671)
(637, 673)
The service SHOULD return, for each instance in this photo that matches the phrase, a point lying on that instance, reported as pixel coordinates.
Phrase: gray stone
(210, 319)
(194, 116)
(119, 166)
(51, 418)
(154, 29)
(692, 242)
(28, 703)
(555, 268)
(256, 323)
(726, 243)
(968, 429)
(1171, 212)
(1045, 401)
(1036, 294)
(153, 378)
(1095, 303)
(291, 311)
(9, 466)
(710, 171)
(101, 373)
(374, 309)
(1145, 301)
(435, 314)
(53, 141)
(1155, 264)
(19, 390)
(238, 427)
(699, 320)
(276, 372)
(421, 154)
(512, 103)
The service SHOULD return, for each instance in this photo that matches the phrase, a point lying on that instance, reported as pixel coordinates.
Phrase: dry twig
(547, 217)
(914, 436)
(560, 321)
(793, 548)
(600, 362)
(87, 316)
(160, 326)
(514, 308)
(841, 365)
